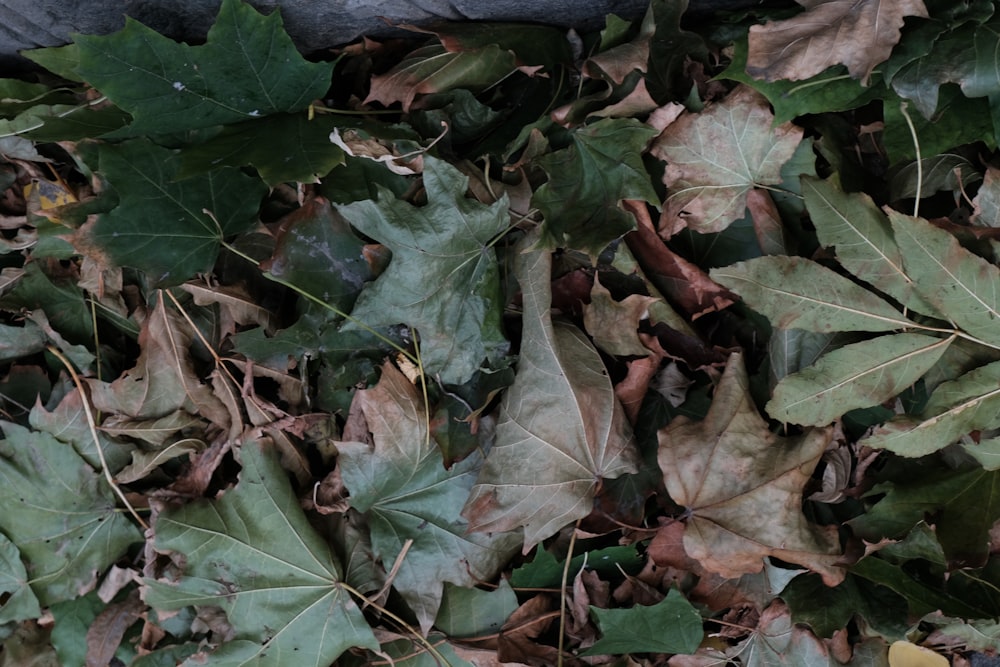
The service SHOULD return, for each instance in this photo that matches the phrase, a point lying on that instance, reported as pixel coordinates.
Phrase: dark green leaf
(587, 182)
(670, 626)
(161, 225)
(247, 68)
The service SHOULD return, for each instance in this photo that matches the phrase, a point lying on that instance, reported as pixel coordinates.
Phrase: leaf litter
(387, 350)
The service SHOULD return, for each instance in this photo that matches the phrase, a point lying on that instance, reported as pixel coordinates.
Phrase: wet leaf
(405, 493)
(716, 157)
(171, 87)
(805, 45)
(560, 428)
(743, 486)
(455, 305)
(253, 553)
(61, 514)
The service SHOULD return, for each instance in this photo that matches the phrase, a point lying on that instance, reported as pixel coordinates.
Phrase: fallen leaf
(670, 626)
(455, 306)
(253, 553)
(614, 324)
(560, 429)
(857, 33)
(402, 487)
(743, 486)
(106, 632)
(714, 158)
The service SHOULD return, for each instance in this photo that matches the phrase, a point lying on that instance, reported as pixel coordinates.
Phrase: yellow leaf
(905, 654)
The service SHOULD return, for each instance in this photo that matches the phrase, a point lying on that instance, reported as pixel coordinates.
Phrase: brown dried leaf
(107, 630)
(614, 324)
(743, 486)
(857, 33)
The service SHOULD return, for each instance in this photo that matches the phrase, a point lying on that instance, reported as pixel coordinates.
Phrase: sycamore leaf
(434, 69)
(253, 553)
(160, 225)
(587, 182)
(247, 68)
(19, 602)
(796, 293)
(443, 279)
(560, 429)
(59, 513)
(855, 376)
(777, 641)
(742, 485)
(163, 379)
(672, 625)
(714, 158)
(968, 403)
(964, 505)
(613, 324)
(862, 236)
(405, 492)
(282, 147)
(857, 33)
(961, 285)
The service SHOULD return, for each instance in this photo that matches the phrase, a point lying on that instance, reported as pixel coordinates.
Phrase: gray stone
(313, 24)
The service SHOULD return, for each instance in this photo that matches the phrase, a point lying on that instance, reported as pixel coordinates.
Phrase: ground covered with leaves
(674, 343)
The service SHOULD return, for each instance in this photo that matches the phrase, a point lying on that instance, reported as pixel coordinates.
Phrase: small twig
(562, 595)
(920, 162)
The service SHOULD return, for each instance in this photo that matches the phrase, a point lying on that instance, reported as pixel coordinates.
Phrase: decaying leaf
(716, 157)
(743, 486)
(857, 33)
(613, 324)
(405, 492)
(560, 430)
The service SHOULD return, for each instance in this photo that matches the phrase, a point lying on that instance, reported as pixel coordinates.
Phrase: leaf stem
(920, 162)
(562, 594)
(88, 412)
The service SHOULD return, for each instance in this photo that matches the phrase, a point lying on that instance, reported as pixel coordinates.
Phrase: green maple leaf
(406, 493)
(253, 553)
(247, 68)
(587, 181)
(443, 279)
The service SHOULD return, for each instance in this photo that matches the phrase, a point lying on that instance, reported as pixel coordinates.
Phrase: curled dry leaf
(857, 34)
(743, 486)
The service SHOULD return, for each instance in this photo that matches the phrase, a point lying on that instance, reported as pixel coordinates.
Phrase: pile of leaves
(674, 343)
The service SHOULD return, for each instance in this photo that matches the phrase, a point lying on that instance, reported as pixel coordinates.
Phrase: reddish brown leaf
(107, 630)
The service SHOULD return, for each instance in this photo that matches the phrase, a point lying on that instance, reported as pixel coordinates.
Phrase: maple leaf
(857, 33)
(743, 485)
(406, 493)
(716, 157)
(443, 279)
(560, 429)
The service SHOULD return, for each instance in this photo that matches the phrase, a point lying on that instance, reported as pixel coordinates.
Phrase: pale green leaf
(471, 612)
(443, 279)
(161, 225)
(560, 428)
(964, 287)
(715, 157)
(972, 402)
(405, 492)
(19, 602)
(796, 293)
(672, 625)
(986, 452)
(247, 68)
(855, 376)
(861, 234)
(60, 513)
(253, 553)
(614, 324)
